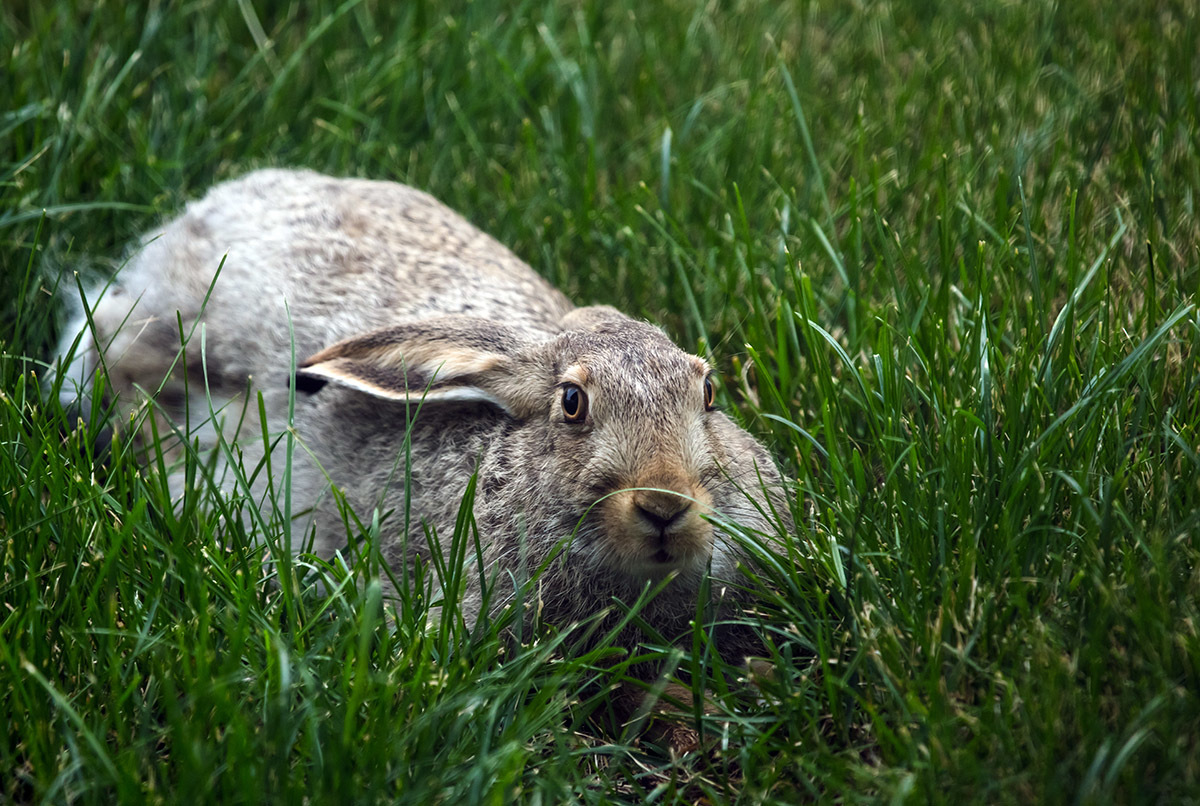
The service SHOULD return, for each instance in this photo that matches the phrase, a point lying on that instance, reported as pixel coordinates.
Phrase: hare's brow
(576, 373)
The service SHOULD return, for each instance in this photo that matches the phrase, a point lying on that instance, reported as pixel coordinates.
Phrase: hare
(594, 440)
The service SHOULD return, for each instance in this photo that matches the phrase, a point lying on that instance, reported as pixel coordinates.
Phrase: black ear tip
(309, 384)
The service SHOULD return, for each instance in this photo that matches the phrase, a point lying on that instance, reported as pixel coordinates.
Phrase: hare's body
(389, 301)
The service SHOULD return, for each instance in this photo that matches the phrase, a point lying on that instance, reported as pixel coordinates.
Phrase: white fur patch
(454, 394)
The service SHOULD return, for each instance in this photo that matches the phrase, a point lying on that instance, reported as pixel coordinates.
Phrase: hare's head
(614, 440)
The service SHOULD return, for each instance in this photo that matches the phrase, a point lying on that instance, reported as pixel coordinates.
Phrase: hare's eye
(574, 403)
(710, 394)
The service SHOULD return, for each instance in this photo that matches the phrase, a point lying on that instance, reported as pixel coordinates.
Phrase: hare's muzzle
(658, 528)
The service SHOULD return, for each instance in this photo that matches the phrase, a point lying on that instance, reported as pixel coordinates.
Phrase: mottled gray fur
(394, 300)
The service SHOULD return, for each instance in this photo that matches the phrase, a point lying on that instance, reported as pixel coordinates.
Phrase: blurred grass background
(944, 254)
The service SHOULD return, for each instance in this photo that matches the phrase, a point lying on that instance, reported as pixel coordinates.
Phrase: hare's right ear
(449, 358)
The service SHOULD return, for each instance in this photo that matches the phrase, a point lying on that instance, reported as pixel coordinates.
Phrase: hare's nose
(660, 509)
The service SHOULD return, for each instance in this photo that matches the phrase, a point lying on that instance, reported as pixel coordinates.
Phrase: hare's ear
(445, 359)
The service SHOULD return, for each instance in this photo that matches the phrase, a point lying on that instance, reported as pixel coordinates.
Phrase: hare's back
(377, 244)
(318, 259)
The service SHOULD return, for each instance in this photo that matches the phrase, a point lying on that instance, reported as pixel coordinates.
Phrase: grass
(945, 255)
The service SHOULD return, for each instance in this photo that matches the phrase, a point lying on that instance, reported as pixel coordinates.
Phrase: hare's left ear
(445, 359)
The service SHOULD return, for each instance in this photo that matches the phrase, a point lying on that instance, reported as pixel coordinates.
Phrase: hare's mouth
(655, 562)
(663, 557)
(666, 558)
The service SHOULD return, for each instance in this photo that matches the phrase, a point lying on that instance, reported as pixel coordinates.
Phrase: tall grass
(945, 256)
